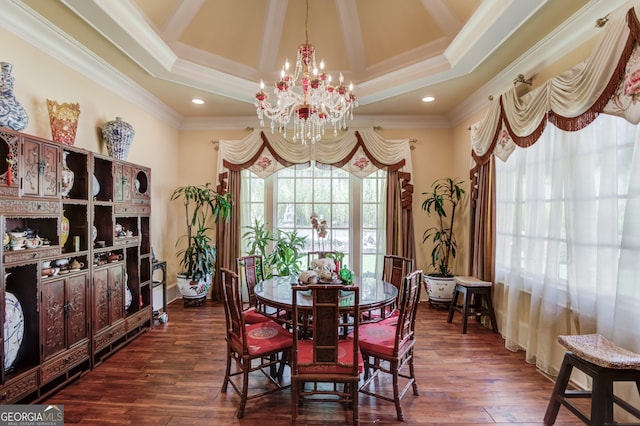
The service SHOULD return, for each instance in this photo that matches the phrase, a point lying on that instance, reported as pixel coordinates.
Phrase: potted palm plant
(198, 259)
(445, 195)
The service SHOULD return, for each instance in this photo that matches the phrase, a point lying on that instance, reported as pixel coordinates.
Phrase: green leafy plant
(337, 256)
(257, 238)
(445, 193)
(202, 203)
(287, 251)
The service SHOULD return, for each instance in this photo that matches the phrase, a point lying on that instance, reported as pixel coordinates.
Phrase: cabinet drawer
(143, 209)
(110, 335)
(18, 387)
(138, 319)
(25, 206)
(26, 255)
(60, 364)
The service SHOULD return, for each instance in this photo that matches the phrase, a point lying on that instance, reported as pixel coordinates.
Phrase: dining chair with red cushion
(267, 343)
(387, 347)
(251, 272)
(327, 366)
(394, 269)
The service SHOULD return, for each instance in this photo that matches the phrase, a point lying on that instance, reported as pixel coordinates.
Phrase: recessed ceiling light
(197, 101)
(428, 99)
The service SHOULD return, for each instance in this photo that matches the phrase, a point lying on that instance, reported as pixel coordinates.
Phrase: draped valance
(360, 152)
(607, 82)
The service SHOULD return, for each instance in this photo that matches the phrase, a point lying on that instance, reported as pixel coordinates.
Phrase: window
(353, 208)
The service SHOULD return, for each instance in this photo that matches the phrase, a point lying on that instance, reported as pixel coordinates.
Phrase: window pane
(285, 190)
(304, 190)
(340, 190)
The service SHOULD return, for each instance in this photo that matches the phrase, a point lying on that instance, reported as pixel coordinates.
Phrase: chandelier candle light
(311, 103)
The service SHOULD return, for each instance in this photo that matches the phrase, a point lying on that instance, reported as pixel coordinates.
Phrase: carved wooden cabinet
(81, 288)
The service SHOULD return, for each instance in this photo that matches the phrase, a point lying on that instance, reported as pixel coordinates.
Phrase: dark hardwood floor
(171, 375)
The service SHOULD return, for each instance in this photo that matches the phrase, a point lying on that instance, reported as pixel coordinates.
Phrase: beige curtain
(482, 232)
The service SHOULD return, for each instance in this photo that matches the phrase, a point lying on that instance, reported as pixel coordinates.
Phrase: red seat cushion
(378, 337)
(345, 359)
(392, 319)
(251, 316)
(267, 337)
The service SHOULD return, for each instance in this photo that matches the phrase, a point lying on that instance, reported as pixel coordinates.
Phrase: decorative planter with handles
(440, 290)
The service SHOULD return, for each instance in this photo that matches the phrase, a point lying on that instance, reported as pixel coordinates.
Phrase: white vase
(118, 135)
(12, 114)
(67, 176)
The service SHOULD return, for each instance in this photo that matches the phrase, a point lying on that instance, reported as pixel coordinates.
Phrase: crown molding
(366, 121)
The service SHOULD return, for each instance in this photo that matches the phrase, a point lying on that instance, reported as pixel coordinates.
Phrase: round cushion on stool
(596, 349)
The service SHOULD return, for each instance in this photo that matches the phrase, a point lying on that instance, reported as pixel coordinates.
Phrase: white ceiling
(395, 52)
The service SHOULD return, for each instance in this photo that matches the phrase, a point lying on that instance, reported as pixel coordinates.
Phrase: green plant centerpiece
(202, 205)
(445, 196)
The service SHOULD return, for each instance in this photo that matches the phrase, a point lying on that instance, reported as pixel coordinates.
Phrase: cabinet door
(40, 165)
(53, 301)
(100, 300)
(77, 294)
(127, 183)
(50, 156)
(30, 167)
(116, 291)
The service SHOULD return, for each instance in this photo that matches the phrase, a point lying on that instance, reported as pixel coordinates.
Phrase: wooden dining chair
(250, 270)
(387, 347)
(394, 270)
(253, 347)
(326, 367)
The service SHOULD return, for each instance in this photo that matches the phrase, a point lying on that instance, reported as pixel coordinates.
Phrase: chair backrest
(334, 309)
(233, 310)
(408, 308)
(312, 255)
(251, 272)
(395, 269)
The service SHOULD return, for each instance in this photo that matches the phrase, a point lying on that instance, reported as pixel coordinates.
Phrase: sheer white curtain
(568, 239)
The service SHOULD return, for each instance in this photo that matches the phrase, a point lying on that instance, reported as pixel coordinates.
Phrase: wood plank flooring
(171, 375)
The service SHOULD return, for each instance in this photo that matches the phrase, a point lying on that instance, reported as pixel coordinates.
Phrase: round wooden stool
(606, 363)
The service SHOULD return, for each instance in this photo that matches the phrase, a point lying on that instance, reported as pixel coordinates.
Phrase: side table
(160, 316)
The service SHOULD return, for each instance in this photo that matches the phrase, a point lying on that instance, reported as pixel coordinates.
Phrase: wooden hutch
(82, 287)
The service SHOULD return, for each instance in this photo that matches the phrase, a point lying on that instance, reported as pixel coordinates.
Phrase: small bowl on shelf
(101, 244)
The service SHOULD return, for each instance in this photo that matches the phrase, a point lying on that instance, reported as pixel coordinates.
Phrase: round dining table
(275, 298)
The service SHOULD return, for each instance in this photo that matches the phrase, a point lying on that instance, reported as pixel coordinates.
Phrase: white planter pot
(439, 289)
(192, 289)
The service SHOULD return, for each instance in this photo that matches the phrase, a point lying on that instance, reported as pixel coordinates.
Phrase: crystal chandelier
(310, 103)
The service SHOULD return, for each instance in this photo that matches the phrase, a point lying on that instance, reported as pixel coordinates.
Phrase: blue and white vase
(12, 114)
(118, 135)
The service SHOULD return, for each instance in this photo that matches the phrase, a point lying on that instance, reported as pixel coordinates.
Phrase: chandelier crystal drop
(307, 98)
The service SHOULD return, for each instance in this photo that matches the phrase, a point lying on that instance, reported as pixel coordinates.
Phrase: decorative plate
(96, 186)
(128, 297)
(94, 234)
(13, 329)
(137, 183)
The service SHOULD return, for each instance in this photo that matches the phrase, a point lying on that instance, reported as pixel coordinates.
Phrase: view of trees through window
(353, 208)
